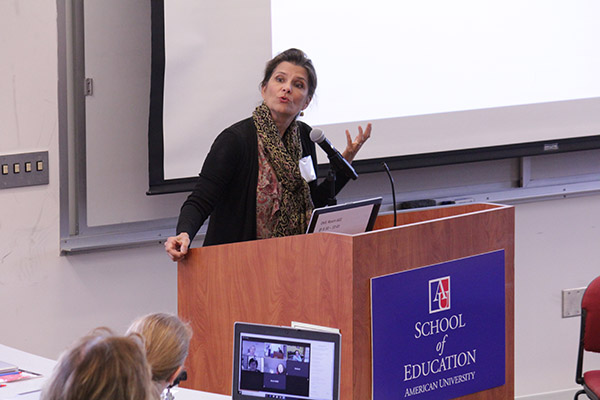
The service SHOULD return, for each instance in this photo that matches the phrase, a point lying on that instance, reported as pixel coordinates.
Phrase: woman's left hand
(353, 146)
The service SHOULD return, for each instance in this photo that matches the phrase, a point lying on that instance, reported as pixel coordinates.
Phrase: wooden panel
(405, 217)
(407, 247)
(304, 278)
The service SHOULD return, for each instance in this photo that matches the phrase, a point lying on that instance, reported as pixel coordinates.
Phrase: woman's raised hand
(353, 146)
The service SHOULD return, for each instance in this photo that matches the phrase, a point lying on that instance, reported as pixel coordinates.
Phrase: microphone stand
(331, 200)
(387, 169)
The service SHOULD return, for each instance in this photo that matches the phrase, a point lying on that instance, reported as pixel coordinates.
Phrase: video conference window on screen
(284, 369)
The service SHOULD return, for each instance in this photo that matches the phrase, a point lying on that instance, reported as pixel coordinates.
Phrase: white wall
(556, 245)
(48, 300)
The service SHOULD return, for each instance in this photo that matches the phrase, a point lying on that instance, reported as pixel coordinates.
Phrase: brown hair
(297, 57)
(167, 341)
(101, 366)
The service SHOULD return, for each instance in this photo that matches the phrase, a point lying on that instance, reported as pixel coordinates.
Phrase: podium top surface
(428, 214)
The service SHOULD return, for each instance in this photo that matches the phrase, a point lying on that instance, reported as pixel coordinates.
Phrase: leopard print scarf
(283, 154)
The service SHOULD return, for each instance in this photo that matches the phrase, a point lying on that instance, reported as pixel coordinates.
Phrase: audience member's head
(101, 366)
(167, 342)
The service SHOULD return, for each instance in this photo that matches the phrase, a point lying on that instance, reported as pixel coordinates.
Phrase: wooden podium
(324, 279)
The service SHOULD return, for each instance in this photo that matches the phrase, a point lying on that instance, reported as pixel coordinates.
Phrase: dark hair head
(297, 57)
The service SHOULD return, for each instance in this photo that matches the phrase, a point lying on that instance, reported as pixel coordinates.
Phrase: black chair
(589, 340)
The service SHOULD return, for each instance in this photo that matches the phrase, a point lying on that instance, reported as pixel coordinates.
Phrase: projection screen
(441, 81)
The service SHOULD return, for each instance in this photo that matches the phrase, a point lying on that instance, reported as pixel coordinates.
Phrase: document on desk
(17, 376)
(25, 389)
(5, 367)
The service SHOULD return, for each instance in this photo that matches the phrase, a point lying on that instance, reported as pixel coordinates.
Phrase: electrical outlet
(571, 302)
(25, 169)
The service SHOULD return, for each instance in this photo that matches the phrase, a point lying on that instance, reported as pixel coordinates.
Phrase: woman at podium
(258, 180)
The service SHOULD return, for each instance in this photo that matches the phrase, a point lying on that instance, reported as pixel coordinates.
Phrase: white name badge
(307, 169)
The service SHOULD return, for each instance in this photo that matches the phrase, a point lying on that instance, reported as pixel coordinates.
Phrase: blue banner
(439, 331)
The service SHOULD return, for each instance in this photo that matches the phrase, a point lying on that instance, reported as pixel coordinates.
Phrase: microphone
(336, 160)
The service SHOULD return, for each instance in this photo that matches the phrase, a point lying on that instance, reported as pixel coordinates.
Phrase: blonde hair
(101, 366)
(167, 341)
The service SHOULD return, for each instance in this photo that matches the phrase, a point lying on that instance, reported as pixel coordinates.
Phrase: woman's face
(286, 92)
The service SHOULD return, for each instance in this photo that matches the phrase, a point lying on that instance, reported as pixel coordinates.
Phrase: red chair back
(591, 304)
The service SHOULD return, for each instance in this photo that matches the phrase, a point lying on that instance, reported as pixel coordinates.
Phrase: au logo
(439, 294)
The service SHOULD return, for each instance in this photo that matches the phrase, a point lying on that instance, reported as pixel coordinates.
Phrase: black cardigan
(226, 187)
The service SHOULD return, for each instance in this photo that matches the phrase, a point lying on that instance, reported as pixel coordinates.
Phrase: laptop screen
(351, 218)
(285, 363)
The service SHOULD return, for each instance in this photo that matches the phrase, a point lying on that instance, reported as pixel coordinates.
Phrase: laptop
(285, 363)
(351, 218)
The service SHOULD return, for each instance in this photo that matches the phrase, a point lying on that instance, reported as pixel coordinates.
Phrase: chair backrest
(591, 304)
